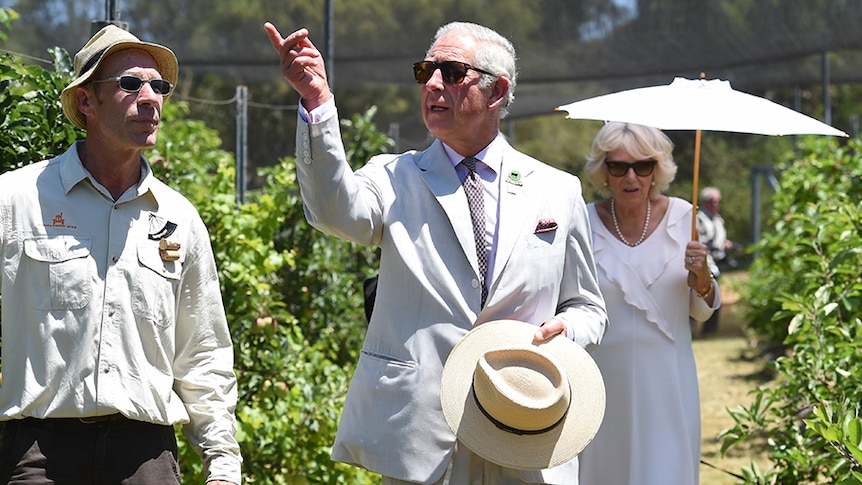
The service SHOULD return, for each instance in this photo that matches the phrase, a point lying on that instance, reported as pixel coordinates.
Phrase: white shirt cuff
(321, 113)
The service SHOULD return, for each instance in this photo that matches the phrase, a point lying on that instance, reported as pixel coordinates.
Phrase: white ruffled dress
(651, 430)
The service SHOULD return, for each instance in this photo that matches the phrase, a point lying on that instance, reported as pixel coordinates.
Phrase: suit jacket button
(475, 283)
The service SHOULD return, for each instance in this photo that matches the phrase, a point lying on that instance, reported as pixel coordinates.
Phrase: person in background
(710, 226)
(113, 326)
(653, 278)
(519, 250)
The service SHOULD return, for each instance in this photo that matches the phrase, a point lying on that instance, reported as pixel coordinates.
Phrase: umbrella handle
(694, 232)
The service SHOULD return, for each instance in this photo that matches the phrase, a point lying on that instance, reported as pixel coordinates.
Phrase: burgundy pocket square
(545, 225)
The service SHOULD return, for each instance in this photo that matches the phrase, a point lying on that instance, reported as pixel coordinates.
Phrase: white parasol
(698, 104)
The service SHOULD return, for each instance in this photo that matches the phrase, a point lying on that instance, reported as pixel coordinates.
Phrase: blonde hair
(641, 142)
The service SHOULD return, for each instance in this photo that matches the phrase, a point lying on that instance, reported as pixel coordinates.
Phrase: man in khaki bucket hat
(114, 327)
(107, 41)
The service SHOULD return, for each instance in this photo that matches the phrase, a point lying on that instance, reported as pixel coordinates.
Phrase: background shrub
(806, 299)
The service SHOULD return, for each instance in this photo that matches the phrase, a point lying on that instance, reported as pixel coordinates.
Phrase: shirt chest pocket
(61, 272)
(154, 291)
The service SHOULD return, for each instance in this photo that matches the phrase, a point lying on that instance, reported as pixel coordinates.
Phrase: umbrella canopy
(698, 104)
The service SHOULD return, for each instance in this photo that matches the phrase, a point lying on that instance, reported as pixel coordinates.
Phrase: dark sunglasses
(133, 84)
(642, 168)
(453, 72)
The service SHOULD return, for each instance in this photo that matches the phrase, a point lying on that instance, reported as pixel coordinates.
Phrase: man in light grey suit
(433, 286)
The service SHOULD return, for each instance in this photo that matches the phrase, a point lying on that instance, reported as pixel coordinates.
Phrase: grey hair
(494, 53)
(709, 193)
(641, 142)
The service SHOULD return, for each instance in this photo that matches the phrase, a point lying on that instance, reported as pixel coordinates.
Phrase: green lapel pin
(514, 177)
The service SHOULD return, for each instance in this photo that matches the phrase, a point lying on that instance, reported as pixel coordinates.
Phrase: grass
(728, 369)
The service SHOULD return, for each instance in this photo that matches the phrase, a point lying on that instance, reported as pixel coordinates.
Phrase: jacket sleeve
(336, 200)
(582, 306)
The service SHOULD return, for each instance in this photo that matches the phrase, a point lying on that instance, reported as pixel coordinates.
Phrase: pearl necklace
(617, 224)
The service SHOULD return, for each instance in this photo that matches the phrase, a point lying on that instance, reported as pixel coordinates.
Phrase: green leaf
(796, 323)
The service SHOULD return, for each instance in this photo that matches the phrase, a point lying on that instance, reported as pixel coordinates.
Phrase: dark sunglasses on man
(453, 72)
(642, 168)
(133, 84)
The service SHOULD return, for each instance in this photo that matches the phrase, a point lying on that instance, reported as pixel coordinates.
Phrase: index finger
(275, 37)
(294, 39)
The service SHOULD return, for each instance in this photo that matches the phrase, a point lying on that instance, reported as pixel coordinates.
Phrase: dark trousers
(711, 324)
(71, 452)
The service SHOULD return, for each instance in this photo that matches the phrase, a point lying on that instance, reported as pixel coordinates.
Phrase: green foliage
(812, 224)
(32, 124)
(806, 295)
(366, 140)
(843, 431)
(7, 16)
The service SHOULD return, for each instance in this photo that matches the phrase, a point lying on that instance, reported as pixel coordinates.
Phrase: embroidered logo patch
(59, 221)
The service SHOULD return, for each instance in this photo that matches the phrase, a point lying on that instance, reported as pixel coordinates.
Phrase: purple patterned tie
(476, 200)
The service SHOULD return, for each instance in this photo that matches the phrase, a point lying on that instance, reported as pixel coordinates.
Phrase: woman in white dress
(653, 277)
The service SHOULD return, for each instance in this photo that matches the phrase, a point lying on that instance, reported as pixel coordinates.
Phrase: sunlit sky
(601, 26)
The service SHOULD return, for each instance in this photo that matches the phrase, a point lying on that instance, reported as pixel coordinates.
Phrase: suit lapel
(515, 208)
(438, 174)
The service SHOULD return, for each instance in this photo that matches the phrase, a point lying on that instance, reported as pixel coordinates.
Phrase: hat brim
(164, 57)
(527, 451)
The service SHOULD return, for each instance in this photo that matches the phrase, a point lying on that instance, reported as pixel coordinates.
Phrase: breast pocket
(61, 271)
(155, 289)
(543, 239)
(545, 252)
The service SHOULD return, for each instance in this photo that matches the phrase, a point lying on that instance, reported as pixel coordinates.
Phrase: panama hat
(105, 42)
(521, 404)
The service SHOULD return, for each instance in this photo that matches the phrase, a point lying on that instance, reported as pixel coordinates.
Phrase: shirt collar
(72, 172)
(72, 169)
(491, 155)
